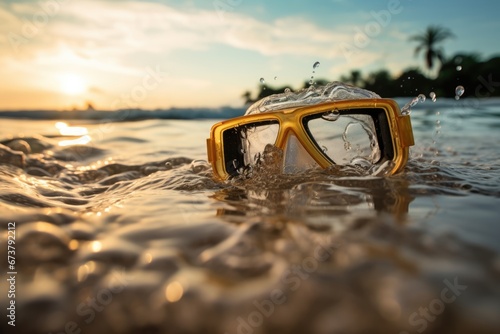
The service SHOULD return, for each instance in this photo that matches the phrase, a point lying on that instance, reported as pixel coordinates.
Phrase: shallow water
(129, 233)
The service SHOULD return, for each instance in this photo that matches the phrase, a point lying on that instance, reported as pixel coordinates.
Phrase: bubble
(331, 116)
(459, 68)
(459, 91)
(262, 81)
(432, 95)
(316, 65)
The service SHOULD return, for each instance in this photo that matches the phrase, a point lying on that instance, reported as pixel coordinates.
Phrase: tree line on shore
(480, 78)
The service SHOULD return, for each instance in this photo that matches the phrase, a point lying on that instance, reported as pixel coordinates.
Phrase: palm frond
(418, 49)
(429, 40)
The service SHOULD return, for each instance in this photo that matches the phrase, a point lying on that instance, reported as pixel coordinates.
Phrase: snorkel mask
(336, 124)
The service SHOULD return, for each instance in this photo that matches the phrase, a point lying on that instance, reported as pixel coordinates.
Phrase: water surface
(128, 233)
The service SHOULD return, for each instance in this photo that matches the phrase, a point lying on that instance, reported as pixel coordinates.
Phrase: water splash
(459, 91)
(331, 116)
(334, 91)
(432, 95)
(406, 110)
(315, 66)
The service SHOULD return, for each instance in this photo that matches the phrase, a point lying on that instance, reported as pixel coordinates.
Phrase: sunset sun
(72, 84)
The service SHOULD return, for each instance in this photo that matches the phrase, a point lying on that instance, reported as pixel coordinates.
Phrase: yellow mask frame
(291, 120)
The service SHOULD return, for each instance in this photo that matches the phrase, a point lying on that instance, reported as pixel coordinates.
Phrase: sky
(62, 54)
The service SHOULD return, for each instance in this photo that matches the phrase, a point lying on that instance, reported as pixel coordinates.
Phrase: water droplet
(459, 91)
(406, 110)
(235, 164)
(275, 78)
(324, 149)
(459, 68)
(262, 81)
(331, 116)
(316, 65)
(421, 98)
(287, 90)
(432, 95)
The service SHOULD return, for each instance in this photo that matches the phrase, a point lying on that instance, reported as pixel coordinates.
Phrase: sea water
(120, 228)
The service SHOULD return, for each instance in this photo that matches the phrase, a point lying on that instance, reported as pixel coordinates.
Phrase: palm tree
(248, 97)
(429, 41)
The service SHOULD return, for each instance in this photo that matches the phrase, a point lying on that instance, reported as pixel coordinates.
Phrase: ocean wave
(207, 113)
(125, 114)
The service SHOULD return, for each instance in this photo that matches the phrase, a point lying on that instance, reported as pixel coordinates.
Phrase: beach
(120, 227)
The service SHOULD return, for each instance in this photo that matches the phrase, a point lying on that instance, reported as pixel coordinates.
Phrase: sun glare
(72, 84)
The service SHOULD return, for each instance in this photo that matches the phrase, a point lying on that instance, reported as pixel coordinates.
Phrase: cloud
(105, 40)
(110, 29)
(285, 36)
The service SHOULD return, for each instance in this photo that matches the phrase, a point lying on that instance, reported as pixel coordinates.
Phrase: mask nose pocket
(296, 158)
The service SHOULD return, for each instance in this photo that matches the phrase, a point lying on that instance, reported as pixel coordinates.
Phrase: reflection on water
(66, 130)
(149, 242)
(294, 197)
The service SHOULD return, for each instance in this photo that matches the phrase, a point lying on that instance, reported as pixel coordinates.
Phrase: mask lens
(348, 136)
(244, 145)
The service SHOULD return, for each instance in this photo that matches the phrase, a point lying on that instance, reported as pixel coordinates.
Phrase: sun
(72, 84)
